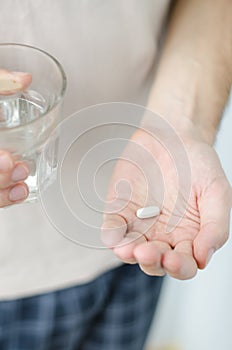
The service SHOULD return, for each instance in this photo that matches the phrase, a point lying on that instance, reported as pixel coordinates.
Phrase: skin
(12, 172)
(190, 90)
(13, 82)
(203, 228)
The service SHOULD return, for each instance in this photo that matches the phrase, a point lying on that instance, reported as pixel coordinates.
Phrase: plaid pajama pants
(112, 312)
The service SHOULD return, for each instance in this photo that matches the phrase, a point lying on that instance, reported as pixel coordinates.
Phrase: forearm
(194, 76)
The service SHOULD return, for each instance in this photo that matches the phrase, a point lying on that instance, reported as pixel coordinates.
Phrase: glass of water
(28, 118)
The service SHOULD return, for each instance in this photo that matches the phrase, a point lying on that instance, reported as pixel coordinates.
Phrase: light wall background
(197, 314)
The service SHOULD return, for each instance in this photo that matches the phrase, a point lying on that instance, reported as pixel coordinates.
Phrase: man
(102, 46)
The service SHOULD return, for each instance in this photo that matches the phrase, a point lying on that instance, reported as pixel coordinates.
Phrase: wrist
(183, 116)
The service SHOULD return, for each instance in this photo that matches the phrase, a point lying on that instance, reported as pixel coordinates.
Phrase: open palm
(192, 192)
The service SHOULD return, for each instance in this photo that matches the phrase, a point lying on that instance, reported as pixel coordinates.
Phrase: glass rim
(63, 88)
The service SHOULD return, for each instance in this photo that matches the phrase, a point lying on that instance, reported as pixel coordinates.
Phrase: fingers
(179, 262)
(12, 173)
(149, 256)
(113, 230)
(125, 249)
(12, 82)
(215, 220)
(157, 258)
(12, 189)
(13, 195)
(19, 172)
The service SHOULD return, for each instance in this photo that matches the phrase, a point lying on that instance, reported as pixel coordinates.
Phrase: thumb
(12, 82)
(114, 228)
(214, 210)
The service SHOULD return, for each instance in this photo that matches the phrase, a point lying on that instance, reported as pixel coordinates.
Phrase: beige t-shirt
(108, 50)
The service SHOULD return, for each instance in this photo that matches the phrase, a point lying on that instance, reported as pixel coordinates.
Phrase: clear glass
(28, 118)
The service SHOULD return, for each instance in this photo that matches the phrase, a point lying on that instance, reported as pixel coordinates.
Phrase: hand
(12, 82)
(198, 224)
(12, 174)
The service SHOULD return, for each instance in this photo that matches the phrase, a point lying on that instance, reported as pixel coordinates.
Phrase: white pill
(147, 212)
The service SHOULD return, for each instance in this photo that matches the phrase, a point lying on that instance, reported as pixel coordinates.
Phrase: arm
(190, 91)
(194, 77)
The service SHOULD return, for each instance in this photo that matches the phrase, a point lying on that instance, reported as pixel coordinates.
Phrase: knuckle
(4, 181)
(6, 161)
(4, 199)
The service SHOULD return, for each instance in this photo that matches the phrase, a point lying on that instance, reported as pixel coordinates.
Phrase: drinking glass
(28, 118)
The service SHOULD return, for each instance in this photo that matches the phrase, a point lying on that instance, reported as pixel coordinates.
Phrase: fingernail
(20, 73)
(6, 163)
(17, 193)
(20, 173)
(209, 256)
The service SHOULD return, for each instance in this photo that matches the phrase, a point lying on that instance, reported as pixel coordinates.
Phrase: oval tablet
(147, 212)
